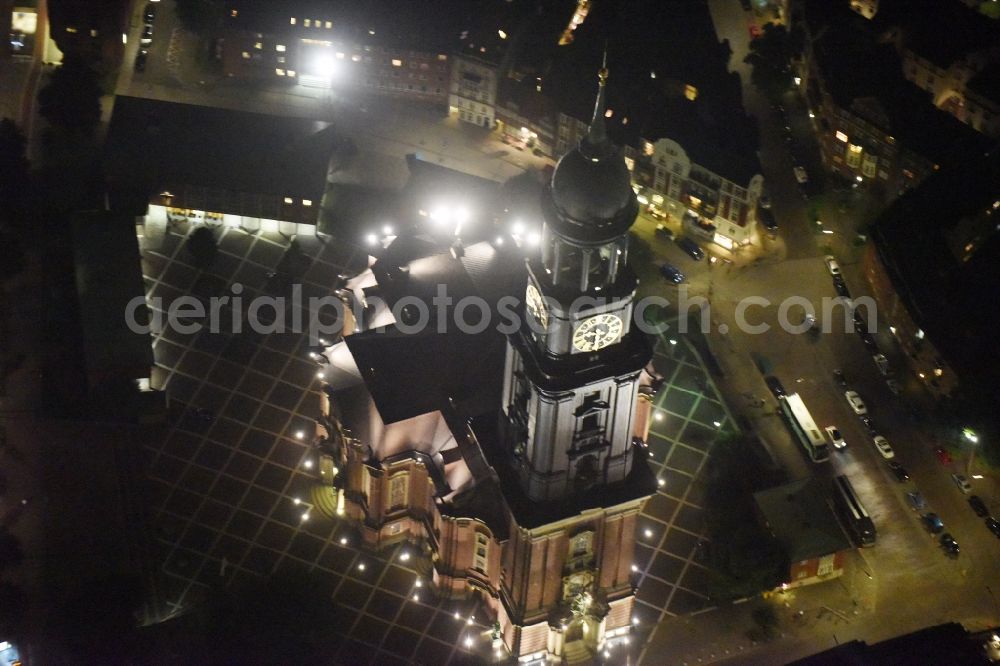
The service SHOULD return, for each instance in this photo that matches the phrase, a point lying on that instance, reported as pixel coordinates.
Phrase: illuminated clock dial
(536, 306)
(597, 332)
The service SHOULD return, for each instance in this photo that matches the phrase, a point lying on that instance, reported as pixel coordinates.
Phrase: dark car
(994, 525)
(869, 341)
(690, 248)
(664, 231)
(776, 388)
(979, 506)
(150, 13)
(767, 220)
(140, 60)
(840, 286)
(838, 376)
(869, 425)
(670, 272)
(933, 522)
(899, 471)
(949, 544)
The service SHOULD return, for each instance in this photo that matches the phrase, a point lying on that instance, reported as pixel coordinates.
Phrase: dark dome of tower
(590, 198)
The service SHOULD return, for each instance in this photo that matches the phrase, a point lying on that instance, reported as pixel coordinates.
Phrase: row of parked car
(146, 38)
(690, 248)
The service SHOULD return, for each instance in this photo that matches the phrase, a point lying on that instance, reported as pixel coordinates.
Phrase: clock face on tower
(536, 306)
(597, 332)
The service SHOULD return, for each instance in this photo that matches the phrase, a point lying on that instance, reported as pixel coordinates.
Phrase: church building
(513, 450)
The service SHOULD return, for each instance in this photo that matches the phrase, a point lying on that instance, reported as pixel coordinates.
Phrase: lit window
(246, 55)
(307, 23)
(328, 25)
(647, 148)
(690, 92)
(288, 200)
(479, 557)
(398, 490)
(307, 202)
(234, 13)
(279, 71)
(356, 58)
(258, 45)
(340, 54)
(841, 136)
(93, 33)
(280, 48)
(854, 148)
(281, 59)
(291, 72)
(292, 20)
(71, 30)
(397, 62)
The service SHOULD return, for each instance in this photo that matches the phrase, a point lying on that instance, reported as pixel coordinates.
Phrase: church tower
(575, 408)
(573, 370)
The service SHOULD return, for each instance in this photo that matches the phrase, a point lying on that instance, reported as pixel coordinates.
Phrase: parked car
(147, 35)
(943, 456)
(670, 272)
(835, 437)
(933, 522)
(994, 526)
(949, 544)
(690, 248)
(882, 363)
(856, 403)
(775, 385)
(962, 483)
(801, 177)
(149, 13)
(979, 506)
(916, 500)
(840, 286)
(832, 265)
(664, 231)
(838, 376)
(140, 60)
(882, 444)
(869, 425)
(899, 471)
(766, 219)
(869, 342)
(893, 386)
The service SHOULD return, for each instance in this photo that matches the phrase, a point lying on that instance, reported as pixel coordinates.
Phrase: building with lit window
(944, 62)
(933, 266)
(319, 46)
(873, 126)
(473, 90)
(516, 458)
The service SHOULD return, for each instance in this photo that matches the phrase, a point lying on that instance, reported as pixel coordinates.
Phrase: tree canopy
(770, 57)
(71, 100)
(199, 16)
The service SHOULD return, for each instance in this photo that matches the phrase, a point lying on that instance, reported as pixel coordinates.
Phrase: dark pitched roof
(153, 144)
(942, 644)
(799, 517)
(944, 295)
(865, 77)
(412, 374)
(921, 21)
(986, 83)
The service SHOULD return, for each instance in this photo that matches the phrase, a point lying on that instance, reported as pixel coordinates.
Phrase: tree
(71, 101)
(203, 247)
(199, 16)
(770, 56)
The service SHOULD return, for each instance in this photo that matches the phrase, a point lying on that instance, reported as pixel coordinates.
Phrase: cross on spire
(597, 137)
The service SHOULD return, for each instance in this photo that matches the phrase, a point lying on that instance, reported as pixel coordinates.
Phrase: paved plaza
(233, 475)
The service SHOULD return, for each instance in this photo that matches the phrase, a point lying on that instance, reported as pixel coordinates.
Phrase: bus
(852, 512)
(804, 428)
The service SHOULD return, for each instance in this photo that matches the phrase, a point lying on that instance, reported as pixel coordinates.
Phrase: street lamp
(973, 438)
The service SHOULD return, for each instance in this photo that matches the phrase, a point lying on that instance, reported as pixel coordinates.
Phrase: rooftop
(942, 644)
(799, 517)
(153, 145)
(968, 31)
(986, 84)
